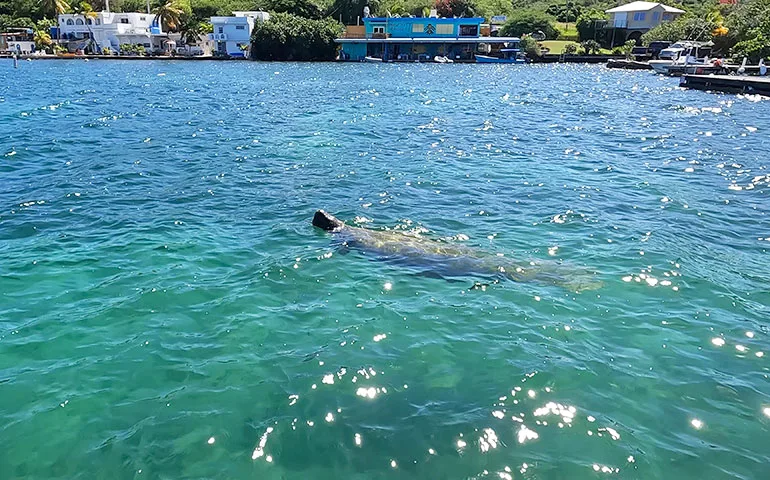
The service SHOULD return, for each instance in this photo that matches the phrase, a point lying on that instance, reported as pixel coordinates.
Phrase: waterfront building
(632, 20)
(232, 35)
(20, 41)
(419, 39)
(110, 30)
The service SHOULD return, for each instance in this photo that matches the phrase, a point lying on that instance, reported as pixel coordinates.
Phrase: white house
(636, 18)
(17, 40)
(233, 34)
(109, 29)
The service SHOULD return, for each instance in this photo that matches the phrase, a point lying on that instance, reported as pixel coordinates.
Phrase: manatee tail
(581, 283)
(574, 279)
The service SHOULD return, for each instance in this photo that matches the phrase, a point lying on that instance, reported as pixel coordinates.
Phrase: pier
(727, 83)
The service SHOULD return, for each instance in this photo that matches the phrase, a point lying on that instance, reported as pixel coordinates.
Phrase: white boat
(372, 59)
(682, 54)
(442, 59)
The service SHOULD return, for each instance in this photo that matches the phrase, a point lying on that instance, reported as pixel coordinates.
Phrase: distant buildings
(111, 30)
(232, 35)
(631, 20)
(20, 41)
(418, 39)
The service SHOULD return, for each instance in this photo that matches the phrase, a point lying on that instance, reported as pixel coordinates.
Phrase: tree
(45, 24)
(529, 21)
(530, 46)
(456, 8)
(54, 7)
(489, 8)
(168, 15)
(132, 5)
(21, 22)
(301, 8)
(290, 37)
(564, 12)
(395, 7)
(350, 10)
(570, 49)
(590, 47)
(753, 49)
(42, 39)
(191, 31)
(683, 28)
(86, 10)
(587, 23)
(627, 48)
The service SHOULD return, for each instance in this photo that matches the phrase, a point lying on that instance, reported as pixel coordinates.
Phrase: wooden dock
(727, 83)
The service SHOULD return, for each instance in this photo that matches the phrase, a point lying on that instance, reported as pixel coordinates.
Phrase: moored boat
(691, 56)
(507, 55)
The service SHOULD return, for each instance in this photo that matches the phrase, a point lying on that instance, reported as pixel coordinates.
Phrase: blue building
(420, 39)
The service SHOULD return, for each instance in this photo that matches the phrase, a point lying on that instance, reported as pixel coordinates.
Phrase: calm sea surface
(168, 311)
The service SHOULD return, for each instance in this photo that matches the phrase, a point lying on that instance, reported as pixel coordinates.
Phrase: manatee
(449, 260)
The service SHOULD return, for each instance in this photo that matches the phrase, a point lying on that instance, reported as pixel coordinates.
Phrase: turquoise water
(168, 311)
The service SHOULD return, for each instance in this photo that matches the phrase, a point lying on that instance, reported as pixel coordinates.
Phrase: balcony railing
(218, 37)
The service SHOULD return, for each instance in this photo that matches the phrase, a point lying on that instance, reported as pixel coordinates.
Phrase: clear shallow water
(161, 284)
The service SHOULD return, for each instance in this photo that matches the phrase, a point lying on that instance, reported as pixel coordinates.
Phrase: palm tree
(54, 7)
(168, 15)
(191, 32)
(87, 10)
(42, 39)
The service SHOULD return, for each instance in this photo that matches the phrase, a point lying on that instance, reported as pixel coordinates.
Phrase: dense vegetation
(742, 29)
(291, 37)
(529, 21)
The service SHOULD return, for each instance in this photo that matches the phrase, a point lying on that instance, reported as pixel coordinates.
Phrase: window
(79, 21)
(123, 20)
(418, 28)
(240, 27)
(655, 16)
(667, 17)
(89, 21)
(98, 22)
(70, 22)
(221, 29)
(378, 30)
(469, 30)
(445, 29)
(639, 16)
(147, 45)
(143, 18)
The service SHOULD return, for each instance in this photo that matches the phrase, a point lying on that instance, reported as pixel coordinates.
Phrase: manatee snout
(326, 221)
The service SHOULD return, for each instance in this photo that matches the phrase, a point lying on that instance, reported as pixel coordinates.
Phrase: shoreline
(119, 57)
(549, 58)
